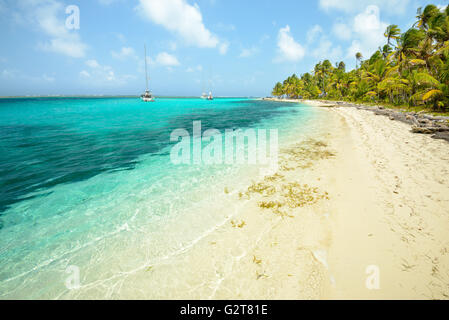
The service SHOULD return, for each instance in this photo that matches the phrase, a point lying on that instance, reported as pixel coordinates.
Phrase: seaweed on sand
(297, 195)
(262, 188)
(275, 177)
(236, 224)
(257, 261)
(270, 204)
(304, 154)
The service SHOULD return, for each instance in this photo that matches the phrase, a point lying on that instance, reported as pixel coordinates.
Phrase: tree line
(411, 68)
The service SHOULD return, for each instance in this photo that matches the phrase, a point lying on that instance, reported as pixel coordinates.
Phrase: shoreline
(388, 207)
(359, 192)
(421, 122)
(354, 194)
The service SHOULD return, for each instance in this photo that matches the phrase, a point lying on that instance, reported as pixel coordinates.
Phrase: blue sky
(242, 47)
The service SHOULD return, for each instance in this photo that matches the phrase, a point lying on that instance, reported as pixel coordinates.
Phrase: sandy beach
(358, 209)
(364, 197)
(391, 210)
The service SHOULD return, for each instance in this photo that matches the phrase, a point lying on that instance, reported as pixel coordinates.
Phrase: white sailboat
(147, 96)
(210, 96)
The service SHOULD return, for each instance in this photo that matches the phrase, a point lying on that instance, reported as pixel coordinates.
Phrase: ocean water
(88, 183)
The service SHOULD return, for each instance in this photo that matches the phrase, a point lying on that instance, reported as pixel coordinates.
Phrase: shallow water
(89, 183)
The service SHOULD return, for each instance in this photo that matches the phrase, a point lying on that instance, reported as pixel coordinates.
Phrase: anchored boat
(147, 96)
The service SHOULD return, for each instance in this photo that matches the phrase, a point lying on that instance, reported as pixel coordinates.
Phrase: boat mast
(202, 82)
(146, 68)
(210, 79)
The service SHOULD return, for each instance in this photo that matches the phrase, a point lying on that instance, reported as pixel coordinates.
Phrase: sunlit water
(89, 183)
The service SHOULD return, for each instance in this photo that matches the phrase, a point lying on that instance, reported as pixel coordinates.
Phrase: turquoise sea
(88, 182)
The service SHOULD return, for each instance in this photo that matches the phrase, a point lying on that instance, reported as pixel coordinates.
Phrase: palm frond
(432, 94)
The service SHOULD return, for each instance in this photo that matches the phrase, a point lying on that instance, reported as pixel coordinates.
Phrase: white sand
(387, 206)
(391, 210)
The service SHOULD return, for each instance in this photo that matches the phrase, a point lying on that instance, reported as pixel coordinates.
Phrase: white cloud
(124, 53)
(368, 32)
(319, 45)
(183, 19)
(342, 31)
(352, 6)
(19, 75)
(167, 60)
(99, 71)
(49, 16)
(193, 69)
(223, 47)
(92, 64)
(288, 48)
(103, 74)
(314, 33)
(326, 50)
(172, 45)
(248, 52)
(225, 27)
(84, 73)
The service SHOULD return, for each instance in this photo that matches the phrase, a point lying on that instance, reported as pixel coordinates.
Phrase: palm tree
(424, 16)
(277, 90)
(392, 32)
(412, 70)
(358, 58)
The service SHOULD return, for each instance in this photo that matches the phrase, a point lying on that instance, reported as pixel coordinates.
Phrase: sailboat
(147, 96)
(210, 97)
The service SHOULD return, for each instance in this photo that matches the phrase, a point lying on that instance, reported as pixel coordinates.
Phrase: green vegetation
(411, 69)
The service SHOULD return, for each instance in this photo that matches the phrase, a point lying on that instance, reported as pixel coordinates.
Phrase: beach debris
(303, 155)
(262, 188)
(237, 224)
(270, 204)
(293, 194)
(282, 214)
(244, 195)
(275, 177)
(297, 195)
(260, 275)
(257, 261)
(149, 268)
(226, 190)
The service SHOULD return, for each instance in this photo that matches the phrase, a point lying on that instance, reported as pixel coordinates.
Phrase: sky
(232, 47)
